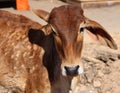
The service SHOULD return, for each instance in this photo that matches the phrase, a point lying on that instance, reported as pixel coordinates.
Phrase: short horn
(47, 29)
(42, 14)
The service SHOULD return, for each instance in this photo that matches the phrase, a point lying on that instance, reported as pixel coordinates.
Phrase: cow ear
(37, 36)
(42, 14)
(97, 32)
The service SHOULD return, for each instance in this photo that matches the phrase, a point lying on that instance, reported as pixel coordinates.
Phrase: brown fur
(21, 64)
(67, 28)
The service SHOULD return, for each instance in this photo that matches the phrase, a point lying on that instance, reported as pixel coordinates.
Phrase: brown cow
(21, 67)
(34, 60)
(65, 38)
(67, 26)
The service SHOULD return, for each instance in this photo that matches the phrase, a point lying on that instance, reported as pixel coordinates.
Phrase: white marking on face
(63, 71)
(80, 70)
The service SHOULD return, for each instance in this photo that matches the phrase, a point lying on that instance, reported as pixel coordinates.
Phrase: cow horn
(42, 14)
(47, 29)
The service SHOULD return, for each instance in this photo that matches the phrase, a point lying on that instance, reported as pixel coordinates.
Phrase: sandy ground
(102, 71)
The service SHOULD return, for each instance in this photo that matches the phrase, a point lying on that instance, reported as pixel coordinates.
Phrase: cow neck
(51, 59)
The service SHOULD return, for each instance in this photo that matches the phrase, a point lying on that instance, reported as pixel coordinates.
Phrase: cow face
(68, 36)
(67, 24)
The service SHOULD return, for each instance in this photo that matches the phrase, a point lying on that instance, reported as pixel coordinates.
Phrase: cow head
(67, 23)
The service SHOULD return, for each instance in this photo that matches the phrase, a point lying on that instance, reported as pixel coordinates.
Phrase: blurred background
(102, 71)
(84, 3)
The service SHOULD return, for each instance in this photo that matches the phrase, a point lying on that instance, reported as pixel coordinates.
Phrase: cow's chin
(72, 74)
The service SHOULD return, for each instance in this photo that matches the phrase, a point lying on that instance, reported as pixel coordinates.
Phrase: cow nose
(72, 71)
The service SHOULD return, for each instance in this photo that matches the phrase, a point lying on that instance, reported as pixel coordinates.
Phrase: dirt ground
(101, 64)
(102, 71)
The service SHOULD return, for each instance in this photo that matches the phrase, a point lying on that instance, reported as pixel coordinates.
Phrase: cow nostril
(72, 71)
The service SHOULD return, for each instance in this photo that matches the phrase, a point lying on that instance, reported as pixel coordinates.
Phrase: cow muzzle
(72, 70)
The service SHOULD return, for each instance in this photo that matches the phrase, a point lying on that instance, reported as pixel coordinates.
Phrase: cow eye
(81, 30)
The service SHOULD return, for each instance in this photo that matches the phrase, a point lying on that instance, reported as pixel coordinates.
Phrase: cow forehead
(66, 18)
